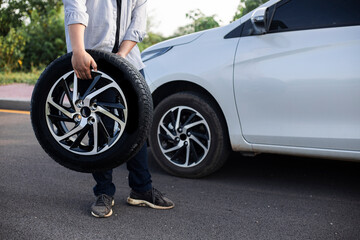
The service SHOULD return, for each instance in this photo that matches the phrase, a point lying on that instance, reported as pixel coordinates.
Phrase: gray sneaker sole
(143, 203)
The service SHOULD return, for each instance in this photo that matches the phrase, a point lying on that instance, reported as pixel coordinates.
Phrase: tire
(91, 125)
(189, 137)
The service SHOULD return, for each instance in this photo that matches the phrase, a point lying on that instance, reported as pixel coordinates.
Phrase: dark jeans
(139, 175)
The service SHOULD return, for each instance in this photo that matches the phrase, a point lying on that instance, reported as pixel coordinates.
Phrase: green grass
(20, 77)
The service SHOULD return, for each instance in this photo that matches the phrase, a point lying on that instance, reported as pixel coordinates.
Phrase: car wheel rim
(184, 136)
(77, 118)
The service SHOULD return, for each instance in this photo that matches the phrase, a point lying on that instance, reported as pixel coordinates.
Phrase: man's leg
(142, 193)
(139, 175)
(104, 184)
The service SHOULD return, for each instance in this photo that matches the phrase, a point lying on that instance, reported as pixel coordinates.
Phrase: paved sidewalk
(16, 96)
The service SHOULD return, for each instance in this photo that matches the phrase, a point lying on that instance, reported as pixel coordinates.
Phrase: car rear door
(299, 84)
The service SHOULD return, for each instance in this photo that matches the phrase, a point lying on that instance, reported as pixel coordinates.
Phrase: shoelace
(103, 200)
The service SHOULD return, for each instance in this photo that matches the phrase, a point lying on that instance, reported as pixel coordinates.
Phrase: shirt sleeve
(75, 12)
(137, 28)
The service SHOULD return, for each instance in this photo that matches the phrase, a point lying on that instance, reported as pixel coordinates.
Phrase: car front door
(299, 84)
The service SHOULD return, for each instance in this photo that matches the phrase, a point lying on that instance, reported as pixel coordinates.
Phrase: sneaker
(152, 198)
(102, 206)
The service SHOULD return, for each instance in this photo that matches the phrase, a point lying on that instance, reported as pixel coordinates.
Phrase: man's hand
(81, 62)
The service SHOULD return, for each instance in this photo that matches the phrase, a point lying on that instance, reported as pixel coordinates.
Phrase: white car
(283, 79)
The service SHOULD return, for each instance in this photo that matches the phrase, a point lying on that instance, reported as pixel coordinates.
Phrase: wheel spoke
(177, 123)
(92, 85)
(103, 130)
(187, 155)
(97, 92)
(111, 105)
(194, 124)
(71, 132)
(193, 151)
(188, 120)
(59, 118)
(171, 135)
(112, 116)
(166, 136)
(173, 121)
(200, 135)
(75, 89)
(172, 149)
(96, 138)
(80, 137)
(60, 108)
(65, 86)
(177, 152)
(192, 137)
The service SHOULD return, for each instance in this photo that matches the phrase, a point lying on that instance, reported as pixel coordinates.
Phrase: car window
(292, 15)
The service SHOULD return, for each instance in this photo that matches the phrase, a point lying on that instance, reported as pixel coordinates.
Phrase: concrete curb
(16, 96)
(11, 104)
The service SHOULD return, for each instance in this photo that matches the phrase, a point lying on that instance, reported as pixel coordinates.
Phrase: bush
(11, 50)
(45, 39)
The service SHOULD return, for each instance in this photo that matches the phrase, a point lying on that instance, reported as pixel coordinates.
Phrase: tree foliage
(11, 50)
(45, 38)
(13, 13)
(199, 22)
(31, 33)
(149, 40)
(246, 6)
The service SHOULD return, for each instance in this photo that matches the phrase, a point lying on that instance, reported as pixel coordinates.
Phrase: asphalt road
(266, 197)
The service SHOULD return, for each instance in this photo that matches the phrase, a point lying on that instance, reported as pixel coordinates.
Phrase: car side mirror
(258, 21)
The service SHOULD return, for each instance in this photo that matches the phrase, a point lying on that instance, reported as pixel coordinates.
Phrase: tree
(31, 33)
(11, 50)
(246, 6)
(150, 39)
(45, 38)
(200, 22)
(14, 13)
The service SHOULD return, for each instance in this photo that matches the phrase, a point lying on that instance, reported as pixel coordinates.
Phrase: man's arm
(137, 29)
(125, 48)
(81, 60)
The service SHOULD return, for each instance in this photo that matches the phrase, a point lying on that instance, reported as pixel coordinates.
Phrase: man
(114, 26)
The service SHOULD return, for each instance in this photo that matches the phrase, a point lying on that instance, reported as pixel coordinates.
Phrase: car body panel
(312, 102)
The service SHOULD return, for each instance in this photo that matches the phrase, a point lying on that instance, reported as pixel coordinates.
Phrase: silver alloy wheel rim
(183, 136)
(76, 118)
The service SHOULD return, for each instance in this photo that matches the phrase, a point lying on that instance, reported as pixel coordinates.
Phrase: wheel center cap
(85, 112)
(183, 137)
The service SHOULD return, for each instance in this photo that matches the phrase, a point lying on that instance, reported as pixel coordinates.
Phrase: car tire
(91, 125)
(188, 137)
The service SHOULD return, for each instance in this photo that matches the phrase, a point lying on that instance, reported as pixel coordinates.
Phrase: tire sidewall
(218, 144)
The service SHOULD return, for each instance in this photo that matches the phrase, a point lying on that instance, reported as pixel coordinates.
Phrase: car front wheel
(188, 137)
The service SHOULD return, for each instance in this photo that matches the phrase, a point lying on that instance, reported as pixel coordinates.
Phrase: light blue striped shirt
(99, 17)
